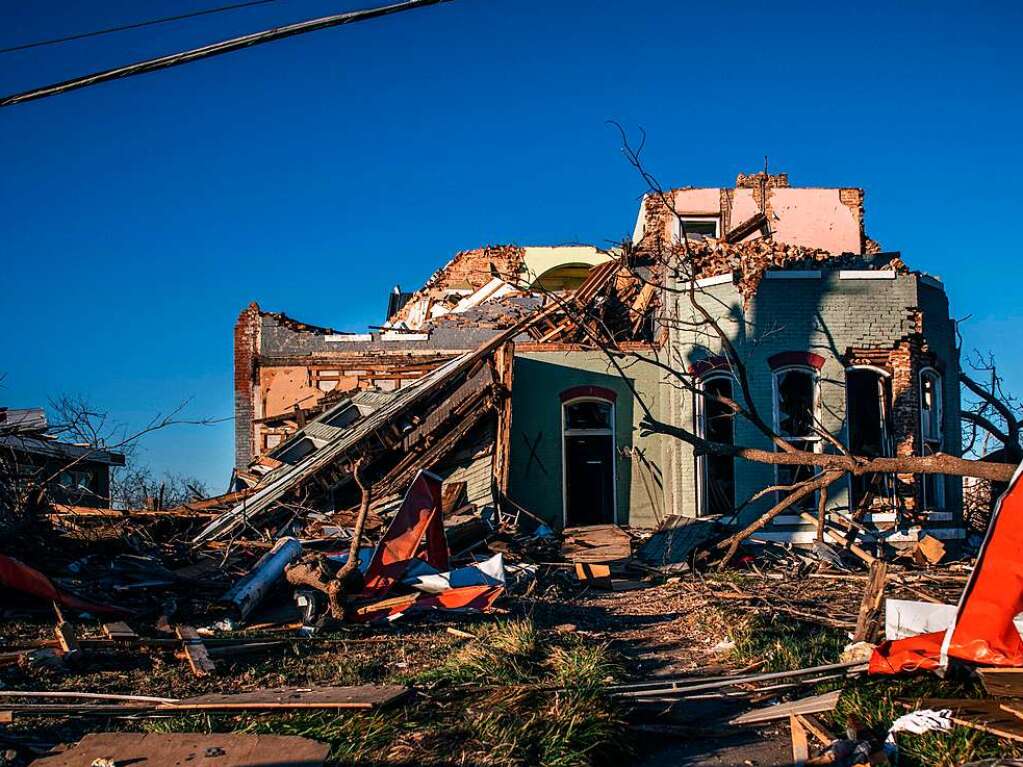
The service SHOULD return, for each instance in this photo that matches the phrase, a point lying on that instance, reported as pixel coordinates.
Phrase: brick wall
(246, 354)
(900, 325)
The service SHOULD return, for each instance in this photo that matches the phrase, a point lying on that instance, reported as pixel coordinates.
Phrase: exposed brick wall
(246, 355)
(468, 271)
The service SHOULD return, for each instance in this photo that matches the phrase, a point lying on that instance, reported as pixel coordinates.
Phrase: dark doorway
(868, 404)
(589, 463)
(589, 480)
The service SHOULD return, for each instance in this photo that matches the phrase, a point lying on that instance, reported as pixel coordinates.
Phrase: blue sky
(311, 175)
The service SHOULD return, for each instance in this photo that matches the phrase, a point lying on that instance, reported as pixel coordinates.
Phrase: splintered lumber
(990, 716)
(870, 607)
(1002, 682)
(191, 748)
(812, 725)
(800, 745)
(837, 536)
(195, 651)
(815, 704)
(362, 697)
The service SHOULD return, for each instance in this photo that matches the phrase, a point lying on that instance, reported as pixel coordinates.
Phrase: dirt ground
(670, 630)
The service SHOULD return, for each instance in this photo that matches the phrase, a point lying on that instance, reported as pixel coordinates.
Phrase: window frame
(700, 418)
(684, 219)
(609, 431)
(886, 423)
(815, 440)
(938, 503)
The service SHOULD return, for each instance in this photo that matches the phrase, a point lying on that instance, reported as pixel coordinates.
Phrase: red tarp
(18, 576)
(419, 517)
(983, 631)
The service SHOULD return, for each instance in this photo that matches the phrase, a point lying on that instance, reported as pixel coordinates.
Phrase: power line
(215, 49)
(138, 25)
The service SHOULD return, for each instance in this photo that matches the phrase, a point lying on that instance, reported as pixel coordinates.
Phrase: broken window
(795, 421)
(931, 436)
(868, 408)
(704, 226)
(716, 422)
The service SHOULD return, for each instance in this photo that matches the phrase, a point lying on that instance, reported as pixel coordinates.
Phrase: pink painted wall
(812, 217)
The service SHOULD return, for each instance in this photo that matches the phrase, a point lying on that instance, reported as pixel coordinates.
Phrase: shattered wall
(828, 219)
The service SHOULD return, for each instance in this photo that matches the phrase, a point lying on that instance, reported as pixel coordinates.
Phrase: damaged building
(488, 377)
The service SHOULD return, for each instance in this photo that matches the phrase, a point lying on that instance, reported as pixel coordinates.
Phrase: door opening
(868, 405)
(589, 462)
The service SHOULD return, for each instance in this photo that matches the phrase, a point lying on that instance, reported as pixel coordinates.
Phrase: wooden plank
(800, 746)
(67, 638)
(867, 622)
(1002, 682)
(815, 704)
(812, 725)
(119, 631)
(195, 651)
(362, 697)
(596, 543)
(504, 363)
(193, 749)
(592, 574)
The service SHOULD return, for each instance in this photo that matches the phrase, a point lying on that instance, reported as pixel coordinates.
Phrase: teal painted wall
(536, 476)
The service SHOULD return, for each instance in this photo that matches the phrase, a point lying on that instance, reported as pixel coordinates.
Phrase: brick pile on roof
(750, 260)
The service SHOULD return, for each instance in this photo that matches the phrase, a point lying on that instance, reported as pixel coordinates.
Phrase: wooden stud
(195, 651)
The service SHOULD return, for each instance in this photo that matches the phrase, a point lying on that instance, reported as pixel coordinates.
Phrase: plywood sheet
(191, 749)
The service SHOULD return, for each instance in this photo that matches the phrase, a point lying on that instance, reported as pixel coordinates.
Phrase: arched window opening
(563, 277)
(589, 467)
(931, 437)
(868, 398)
(796, 409)
(716, 423)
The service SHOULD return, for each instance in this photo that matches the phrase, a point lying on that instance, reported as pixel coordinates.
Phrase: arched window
(796, 418)
(589, 467)
(931, 436)
(715, 422)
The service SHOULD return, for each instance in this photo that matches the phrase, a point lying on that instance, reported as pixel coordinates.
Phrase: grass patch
(508, 698)
(872, 702)
(784, 643)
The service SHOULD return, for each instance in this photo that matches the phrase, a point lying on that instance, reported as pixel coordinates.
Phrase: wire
(138, 25)
(215, 49)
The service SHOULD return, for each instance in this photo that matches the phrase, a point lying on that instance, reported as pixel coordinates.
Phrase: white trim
(706, 282)
(679, 220)
(394, 336)
(792, 274)
(348, 338)
(583, 433)
(866, 274)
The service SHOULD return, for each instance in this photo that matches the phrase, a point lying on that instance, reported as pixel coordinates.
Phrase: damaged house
(495, 376)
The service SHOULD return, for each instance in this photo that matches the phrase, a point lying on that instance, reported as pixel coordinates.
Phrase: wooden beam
(195, 651)
(870, 606)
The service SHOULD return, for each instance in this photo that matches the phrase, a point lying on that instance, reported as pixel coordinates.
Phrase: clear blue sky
(139, 217)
